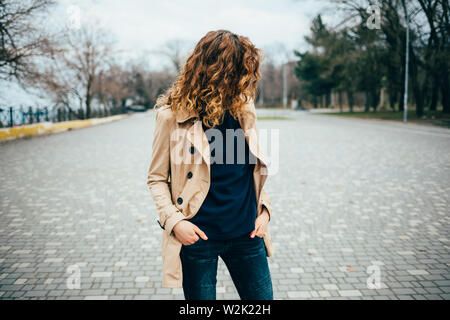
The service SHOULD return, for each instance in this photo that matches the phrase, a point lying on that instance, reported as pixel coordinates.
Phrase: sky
(141, 27)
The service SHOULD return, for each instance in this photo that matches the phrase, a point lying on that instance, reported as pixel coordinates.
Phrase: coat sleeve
(265, 200)
(264, 196)
(159, 175)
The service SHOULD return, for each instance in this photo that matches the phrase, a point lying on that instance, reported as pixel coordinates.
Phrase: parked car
(136, 108)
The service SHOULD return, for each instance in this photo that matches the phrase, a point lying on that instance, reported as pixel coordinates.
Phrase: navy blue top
(229, 209)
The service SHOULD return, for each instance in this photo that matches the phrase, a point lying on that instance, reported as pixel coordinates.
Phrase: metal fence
(10, 116)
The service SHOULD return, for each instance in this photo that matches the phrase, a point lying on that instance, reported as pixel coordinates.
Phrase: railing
(10, 116)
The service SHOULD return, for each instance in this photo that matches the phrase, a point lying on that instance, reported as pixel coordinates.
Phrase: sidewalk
(50, 127)
(354, 201)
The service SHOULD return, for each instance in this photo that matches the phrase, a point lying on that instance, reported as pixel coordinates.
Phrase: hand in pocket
(188, 233)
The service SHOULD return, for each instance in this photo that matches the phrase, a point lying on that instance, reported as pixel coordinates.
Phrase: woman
(206, 185)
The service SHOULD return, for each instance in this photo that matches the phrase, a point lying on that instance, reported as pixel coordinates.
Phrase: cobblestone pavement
(353, 199)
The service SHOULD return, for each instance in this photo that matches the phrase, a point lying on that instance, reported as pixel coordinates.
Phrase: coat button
(189, 175)
(179, 200)
(192, 150)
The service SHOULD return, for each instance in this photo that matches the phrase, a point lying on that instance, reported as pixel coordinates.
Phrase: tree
(428, 48)
(176, 51)
(146, 85)
(327, 66)
(85, 56)
(112, 89)
(437, 48)
(22, 39)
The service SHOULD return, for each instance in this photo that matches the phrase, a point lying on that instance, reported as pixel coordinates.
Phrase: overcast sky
(142, 26)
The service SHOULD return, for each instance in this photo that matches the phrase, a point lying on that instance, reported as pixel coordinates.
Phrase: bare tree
(146, 84)
(112, 88)
(85, 56)
(176, 50)
(23, 41)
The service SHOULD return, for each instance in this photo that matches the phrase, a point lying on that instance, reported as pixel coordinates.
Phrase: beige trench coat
(179, 178)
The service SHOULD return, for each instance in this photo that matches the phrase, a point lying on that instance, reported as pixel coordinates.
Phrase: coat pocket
(172, 270)
(268, 243)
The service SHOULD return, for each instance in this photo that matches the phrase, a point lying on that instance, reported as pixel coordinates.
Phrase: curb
(50, 127)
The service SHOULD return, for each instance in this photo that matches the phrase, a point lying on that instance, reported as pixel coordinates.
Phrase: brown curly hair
(221, 73)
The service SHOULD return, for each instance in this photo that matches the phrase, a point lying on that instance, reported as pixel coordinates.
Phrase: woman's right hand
(187, 233)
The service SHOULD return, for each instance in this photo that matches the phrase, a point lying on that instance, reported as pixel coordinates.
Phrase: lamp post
(285, 85)
(405, 97)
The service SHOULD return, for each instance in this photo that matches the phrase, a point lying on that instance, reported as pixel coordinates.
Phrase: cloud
(143, 25)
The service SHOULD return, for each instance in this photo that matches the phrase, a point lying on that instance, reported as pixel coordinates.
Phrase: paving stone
(299, 294)
(350, 293)
(362, 202)
(418, 272)
(96, 298)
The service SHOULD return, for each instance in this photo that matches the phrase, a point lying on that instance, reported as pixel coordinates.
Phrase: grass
(436, 118)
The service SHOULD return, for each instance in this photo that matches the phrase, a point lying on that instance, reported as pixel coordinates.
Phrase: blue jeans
(245, 259)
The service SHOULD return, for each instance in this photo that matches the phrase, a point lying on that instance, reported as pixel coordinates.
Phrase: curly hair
(221, 73)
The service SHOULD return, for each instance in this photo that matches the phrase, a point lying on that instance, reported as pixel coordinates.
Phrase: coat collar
(183, 115)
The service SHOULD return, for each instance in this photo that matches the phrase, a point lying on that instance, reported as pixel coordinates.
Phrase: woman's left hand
(260, 224)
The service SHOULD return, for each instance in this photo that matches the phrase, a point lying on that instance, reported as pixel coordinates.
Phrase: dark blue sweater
(229, 209)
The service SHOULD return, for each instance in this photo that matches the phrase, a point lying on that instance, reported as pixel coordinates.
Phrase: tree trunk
(434, 94)
(375, 97)
(88, 106)
(401, 99)
(417, 90)
(392, 99)
(351, 100)
(445, 87)
(367, 103)
(327, 99)
(88, 98)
